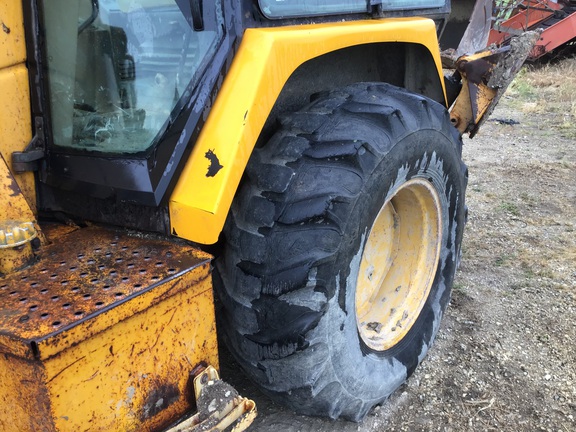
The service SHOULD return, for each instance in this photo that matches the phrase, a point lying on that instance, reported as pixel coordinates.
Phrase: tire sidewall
(426, 154)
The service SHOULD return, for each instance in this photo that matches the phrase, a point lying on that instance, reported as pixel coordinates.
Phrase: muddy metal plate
(80, 279)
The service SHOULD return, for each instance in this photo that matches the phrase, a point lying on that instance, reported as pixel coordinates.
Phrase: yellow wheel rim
(398, 264)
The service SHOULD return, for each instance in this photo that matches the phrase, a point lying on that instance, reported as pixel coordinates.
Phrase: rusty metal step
(82, 275)
(103, 333)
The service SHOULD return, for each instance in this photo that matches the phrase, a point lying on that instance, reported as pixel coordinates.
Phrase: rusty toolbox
(103, 333)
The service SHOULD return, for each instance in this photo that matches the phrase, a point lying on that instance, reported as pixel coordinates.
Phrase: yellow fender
(265, 60)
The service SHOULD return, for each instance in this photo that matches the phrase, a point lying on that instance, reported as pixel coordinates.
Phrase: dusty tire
(300, 228)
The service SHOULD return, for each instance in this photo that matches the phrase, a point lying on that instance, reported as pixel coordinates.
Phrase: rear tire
(301, 312)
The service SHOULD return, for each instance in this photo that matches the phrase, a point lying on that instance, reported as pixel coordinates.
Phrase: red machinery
(556, 19)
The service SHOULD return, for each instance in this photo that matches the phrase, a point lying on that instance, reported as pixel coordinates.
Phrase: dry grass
(557, 80)
(553, 74)
(548, 90)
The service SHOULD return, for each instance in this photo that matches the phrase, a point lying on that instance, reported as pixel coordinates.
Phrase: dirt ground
(505, 357)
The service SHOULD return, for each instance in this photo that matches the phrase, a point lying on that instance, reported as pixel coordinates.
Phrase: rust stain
(12, 186)
(159, 397)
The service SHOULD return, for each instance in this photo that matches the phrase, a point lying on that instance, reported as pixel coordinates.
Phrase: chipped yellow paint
(398, 264)
(469, 108)
(15, 122)
(12, 42)
(105, 330)
(14, 207)
(266, 59)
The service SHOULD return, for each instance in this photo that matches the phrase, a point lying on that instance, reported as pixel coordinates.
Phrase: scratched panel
(15, 123)
(135, 376)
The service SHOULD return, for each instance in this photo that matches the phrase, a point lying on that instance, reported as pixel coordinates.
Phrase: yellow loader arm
(485, 76)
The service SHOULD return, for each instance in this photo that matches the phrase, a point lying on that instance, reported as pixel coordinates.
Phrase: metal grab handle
(91, 18)
(197, 15)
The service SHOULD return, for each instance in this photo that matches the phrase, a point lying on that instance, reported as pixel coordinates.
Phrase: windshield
(293, 8)
(118, 69)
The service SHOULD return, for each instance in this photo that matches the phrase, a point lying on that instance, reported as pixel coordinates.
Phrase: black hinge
(377, 9)
(29, 158)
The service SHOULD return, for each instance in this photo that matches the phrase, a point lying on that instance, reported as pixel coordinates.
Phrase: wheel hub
(398, 265)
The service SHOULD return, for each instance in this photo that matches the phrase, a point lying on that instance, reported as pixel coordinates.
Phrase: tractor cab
(111, 78)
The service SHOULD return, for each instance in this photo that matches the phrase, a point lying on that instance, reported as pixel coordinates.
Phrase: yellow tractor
(306, 145)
